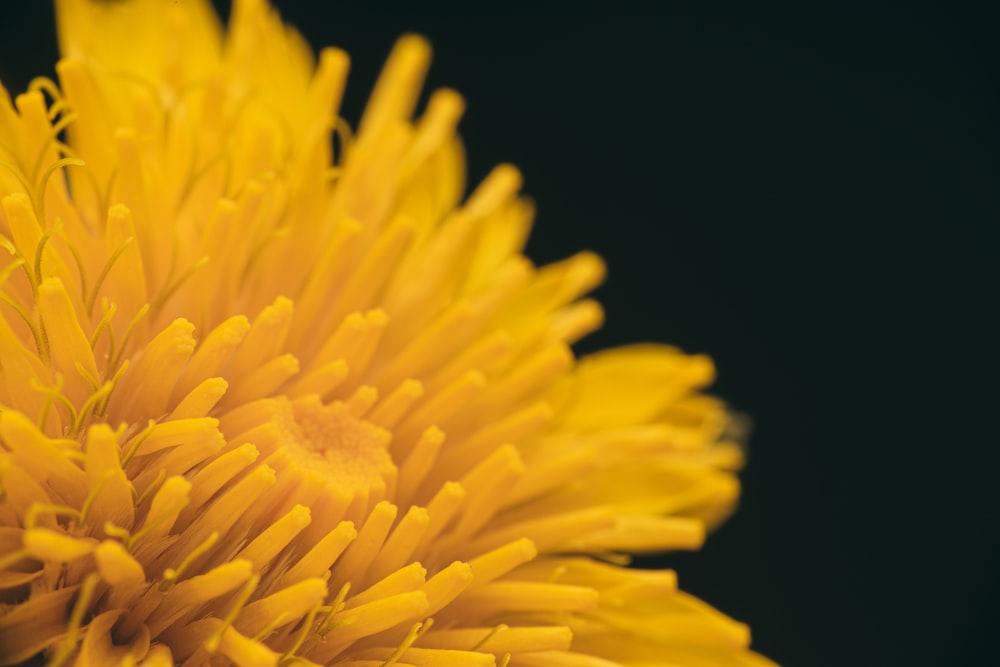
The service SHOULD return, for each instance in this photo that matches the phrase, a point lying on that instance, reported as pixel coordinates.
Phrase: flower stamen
(80, 606)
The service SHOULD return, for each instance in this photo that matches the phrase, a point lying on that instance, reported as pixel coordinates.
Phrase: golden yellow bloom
(270, 402)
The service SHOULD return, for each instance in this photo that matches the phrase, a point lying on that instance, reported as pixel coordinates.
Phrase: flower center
(324, 456)
(350, 451)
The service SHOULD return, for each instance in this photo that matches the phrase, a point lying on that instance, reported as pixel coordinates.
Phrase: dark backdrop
(808, 195)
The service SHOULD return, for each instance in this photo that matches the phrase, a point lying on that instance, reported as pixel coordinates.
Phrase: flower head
(272, 393)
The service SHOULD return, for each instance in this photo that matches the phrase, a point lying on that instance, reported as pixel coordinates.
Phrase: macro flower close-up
(280, 388)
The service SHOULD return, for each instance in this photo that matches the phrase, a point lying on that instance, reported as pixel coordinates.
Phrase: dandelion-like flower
(271, 393)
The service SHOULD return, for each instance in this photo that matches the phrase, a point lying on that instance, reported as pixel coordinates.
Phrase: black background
(811, 197)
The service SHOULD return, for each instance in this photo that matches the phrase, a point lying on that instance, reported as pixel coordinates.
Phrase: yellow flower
(272, 393)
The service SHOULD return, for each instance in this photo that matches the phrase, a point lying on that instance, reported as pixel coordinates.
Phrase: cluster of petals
(273, 391)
